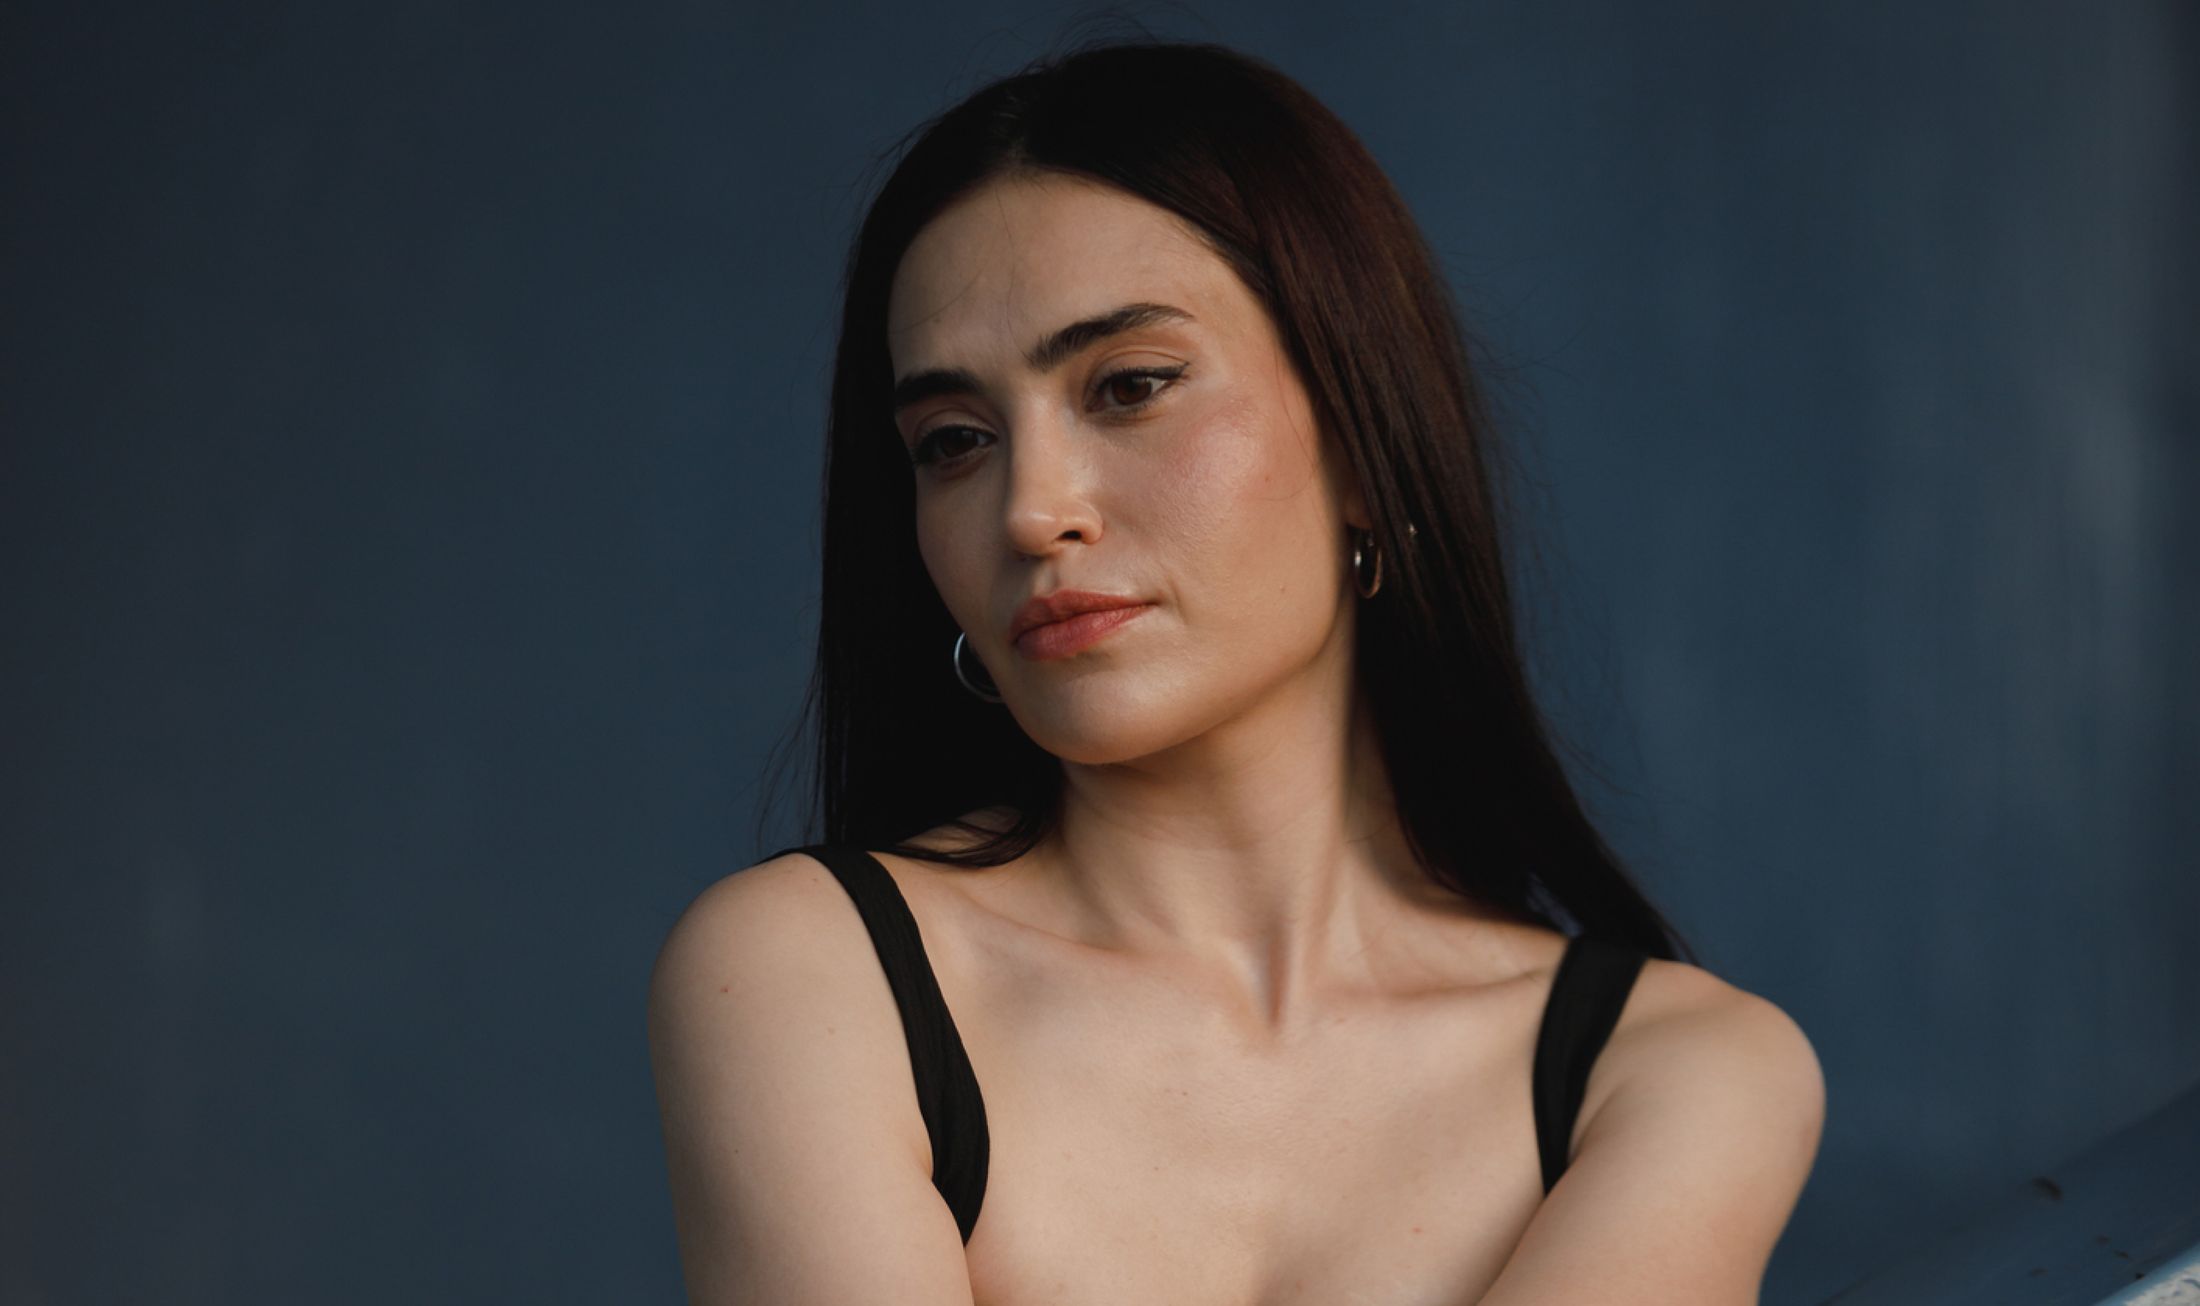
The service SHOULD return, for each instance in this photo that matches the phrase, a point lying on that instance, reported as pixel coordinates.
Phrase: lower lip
(1059, 639)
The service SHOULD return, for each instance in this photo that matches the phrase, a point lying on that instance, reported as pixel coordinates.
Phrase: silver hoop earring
(1367, 588)
(986, 693)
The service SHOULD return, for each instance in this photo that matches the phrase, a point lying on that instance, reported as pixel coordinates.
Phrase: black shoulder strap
(947, 1088)
(1593, 981)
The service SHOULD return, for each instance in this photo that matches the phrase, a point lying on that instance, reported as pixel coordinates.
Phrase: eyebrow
(1044, 356)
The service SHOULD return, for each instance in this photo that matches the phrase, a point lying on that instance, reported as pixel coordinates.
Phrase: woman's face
(1176, 462)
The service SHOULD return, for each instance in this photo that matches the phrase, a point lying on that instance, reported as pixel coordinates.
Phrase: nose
(1049, 491)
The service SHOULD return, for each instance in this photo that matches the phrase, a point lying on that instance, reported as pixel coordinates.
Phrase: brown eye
(928, 450)
(1115, 387)
(1114, 383)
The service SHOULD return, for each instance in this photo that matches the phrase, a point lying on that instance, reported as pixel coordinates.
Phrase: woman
(1230, 853)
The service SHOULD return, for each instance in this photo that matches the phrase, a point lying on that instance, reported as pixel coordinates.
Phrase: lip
(1074, 634)
(1063, 604)
(1059, 624)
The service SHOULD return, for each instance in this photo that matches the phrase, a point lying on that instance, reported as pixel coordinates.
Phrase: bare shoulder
(1709, 1120)
(776, 910)
(1692, 1046)
(1688, 1012)
(773, 943)
(772, 965)
(787, 1101)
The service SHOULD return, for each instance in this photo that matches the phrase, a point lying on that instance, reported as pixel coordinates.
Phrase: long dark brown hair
(1284, 192)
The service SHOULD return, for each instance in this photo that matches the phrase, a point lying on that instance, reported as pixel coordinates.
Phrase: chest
(1144, 1149)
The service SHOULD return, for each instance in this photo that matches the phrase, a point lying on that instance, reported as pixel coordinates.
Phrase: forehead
(1021, 256)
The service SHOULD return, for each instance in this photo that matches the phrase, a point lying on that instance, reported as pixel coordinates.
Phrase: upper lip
(1063, 604)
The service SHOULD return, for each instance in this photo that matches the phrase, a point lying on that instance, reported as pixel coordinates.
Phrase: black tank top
(1593, 980)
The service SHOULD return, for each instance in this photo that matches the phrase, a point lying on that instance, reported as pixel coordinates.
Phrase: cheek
(1246, 517)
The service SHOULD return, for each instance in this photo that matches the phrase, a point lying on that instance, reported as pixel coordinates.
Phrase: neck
(1264, 856)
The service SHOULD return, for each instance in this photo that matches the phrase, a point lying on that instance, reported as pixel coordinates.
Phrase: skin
(1234, 1047)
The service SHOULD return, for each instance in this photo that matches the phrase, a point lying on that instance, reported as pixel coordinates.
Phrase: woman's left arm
(1684, 1178)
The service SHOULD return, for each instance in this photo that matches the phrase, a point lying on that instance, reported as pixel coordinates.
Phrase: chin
(1092, 726)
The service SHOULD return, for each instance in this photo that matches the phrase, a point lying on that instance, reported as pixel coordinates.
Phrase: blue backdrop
(409, 440)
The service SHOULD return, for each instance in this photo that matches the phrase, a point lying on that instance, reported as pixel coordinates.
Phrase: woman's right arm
(798, 1158)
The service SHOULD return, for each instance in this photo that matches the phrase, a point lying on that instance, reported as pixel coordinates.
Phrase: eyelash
(919, 458)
